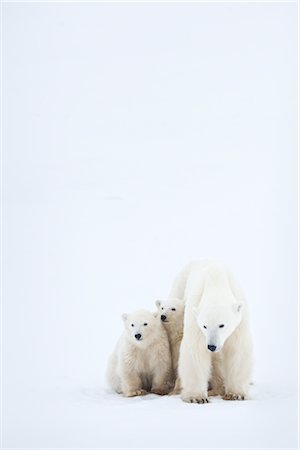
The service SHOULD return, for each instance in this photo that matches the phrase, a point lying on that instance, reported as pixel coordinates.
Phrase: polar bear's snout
(138, 336)
(213, 342)
(212, 348)
(163, 318)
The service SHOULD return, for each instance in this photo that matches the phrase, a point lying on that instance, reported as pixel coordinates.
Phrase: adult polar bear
(216, 345)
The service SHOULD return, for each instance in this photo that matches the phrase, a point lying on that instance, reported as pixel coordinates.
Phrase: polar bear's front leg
(194, 372)
(161, 377)
(237, 369)
(131, 384)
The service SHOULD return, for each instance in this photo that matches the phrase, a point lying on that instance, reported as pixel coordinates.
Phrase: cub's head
(170, 310)
(218, 322)
(141, 326)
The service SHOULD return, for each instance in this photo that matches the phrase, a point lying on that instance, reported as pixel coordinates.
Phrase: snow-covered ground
(137, 137)
(71, 414)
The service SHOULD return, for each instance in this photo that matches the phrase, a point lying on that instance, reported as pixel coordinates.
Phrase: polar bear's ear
(124, 317)
(158, 303)
(237, 307)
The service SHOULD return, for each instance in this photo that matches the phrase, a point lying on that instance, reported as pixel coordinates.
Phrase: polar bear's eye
(221, 326)
(132, 325)
(173, 309)
(204, 326)
(162, 308)
(145, 324)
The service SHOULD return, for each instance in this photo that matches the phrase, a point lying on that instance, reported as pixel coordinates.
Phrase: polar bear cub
(141, 361)
(216, 345)
(171, 313)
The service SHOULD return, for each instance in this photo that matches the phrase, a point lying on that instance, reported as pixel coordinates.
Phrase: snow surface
(137, 137)
(74, 415)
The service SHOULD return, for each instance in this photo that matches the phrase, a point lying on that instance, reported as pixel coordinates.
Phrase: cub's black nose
(163, 317)
(138, 336)
(212, 348)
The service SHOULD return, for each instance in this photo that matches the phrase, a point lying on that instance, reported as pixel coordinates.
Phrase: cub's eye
(221, 326)
(132, 325)
(162, 308)
(173, 309)
(204, 326)
(145, 324)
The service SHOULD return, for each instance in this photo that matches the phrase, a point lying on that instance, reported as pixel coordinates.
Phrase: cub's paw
(233, 396)
(135, 393)
(159, 391)
(194, 398)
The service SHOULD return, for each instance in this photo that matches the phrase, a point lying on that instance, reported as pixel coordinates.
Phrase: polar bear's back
(199, 276)
(178, 289)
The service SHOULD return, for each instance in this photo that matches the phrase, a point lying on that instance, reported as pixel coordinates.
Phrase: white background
(137, 137)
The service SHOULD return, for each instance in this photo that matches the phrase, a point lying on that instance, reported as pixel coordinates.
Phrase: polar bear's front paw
(135, 393)
(234, 396)
(194, 398)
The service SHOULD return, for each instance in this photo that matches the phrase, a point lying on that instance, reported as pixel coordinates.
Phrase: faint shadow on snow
(99, 395)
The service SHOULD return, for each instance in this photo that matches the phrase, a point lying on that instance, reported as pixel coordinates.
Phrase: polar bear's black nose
(212, 348)
(163, 317)
(138, 336)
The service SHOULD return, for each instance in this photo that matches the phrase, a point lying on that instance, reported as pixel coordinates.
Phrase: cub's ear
(237, 307)
(124, 317)
(158, 303)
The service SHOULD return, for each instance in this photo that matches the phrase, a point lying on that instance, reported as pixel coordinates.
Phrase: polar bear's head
(141, 326)
(170, 311)
(217, 322)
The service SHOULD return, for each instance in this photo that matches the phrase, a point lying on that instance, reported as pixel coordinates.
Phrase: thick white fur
(173, 310)
(213, 298)
(137, 367)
